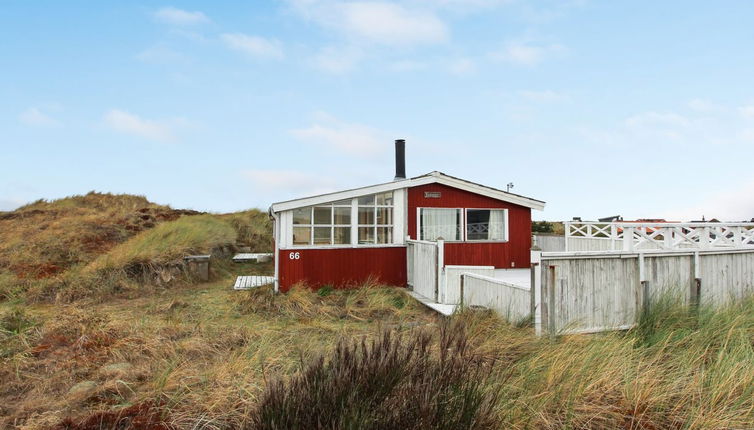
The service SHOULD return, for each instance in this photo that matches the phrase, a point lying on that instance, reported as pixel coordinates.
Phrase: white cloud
(254, 46)
(527, 54)
(337, 60)
(175, 16)
(463, 5)
(462, 67)
(35, 117)
(734, 203)
(284, 182)
(701, 125)
(543, 96)
(379, 22)
(354, 139)
(407, 66)
(128, 123)
(747, 111)
(657, 119)
(705, 106)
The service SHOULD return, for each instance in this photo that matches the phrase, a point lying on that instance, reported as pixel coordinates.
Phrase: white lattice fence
(624, 236)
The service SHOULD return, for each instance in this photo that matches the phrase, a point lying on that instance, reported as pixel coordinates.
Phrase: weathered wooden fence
(549, 242)
(598, 291)
(451, 281)
(513, 302)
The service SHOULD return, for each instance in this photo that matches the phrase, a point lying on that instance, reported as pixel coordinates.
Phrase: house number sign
(432, 194)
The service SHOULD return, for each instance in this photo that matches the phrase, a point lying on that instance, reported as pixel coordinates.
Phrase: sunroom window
(485, 224)
(436, 223)
(375, 222)
(328, 224)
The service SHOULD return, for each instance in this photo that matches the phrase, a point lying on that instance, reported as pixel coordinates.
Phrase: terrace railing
(630, 236)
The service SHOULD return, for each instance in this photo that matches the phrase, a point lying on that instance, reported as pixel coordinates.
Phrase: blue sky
(644, 109)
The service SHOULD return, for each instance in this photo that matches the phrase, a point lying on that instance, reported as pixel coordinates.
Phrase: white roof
(430, 178)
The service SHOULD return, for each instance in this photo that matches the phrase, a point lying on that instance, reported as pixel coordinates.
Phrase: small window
(302, 235)
(302, 216)
(323, 215)
(436, 223)
(485, 224)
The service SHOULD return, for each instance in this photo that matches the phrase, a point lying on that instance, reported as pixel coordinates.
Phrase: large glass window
(323, 225)
(376, 219)
(436, 223)
(485, 224)
(462, 224)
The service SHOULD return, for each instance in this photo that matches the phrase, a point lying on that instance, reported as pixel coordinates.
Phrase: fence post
(628, 239)
(613, 236)
(463, 281)
(551, 304)
(567, 226)
(440, 279)
(704, 239)
(667, 237)
(535, 286)
(696, 283)
(644, 284)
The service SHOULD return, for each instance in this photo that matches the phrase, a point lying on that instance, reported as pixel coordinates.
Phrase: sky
(643, 108)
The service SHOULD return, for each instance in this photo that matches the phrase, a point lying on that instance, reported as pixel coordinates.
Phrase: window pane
(302, 216)
(485, 224)
(366, 201)
(385, 199)
(384, 234)
(301, 235)
(322, 235)
(366, 215)
(323, 215)
(440, 223)
(366, 235)
(342, 235)
(342, 215)
(343, 203)
(385, 216)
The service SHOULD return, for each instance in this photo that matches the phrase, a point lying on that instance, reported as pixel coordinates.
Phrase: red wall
(501, 255)
(342, 267)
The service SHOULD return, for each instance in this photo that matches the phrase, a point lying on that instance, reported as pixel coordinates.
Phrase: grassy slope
(85, 245)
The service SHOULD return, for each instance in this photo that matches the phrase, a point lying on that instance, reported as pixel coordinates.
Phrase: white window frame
(354, 225)
(464, 221)
(419, 220)
(311, 226)
(505, 226)
(374, 225)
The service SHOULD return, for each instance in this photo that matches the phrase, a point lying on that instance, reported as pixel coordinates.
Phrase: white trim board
(431, 178)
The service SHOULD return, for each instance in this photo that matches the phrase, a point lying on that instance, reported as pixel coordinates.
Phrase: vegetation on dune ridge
(97, 243)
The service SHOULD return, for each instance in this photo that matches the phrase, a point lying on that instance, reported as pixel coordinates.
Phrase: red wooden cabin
(344, 238)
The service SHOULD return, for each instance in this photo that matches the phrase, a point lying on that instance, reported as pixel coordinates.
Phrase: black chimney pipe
(400, 159)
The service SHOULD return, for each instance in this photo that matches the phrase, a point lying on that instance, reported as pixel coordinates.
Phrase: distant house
(346, 237)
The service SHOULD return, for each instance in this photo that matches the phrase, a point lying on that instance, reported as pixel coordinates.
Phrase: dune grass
(207, 357)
